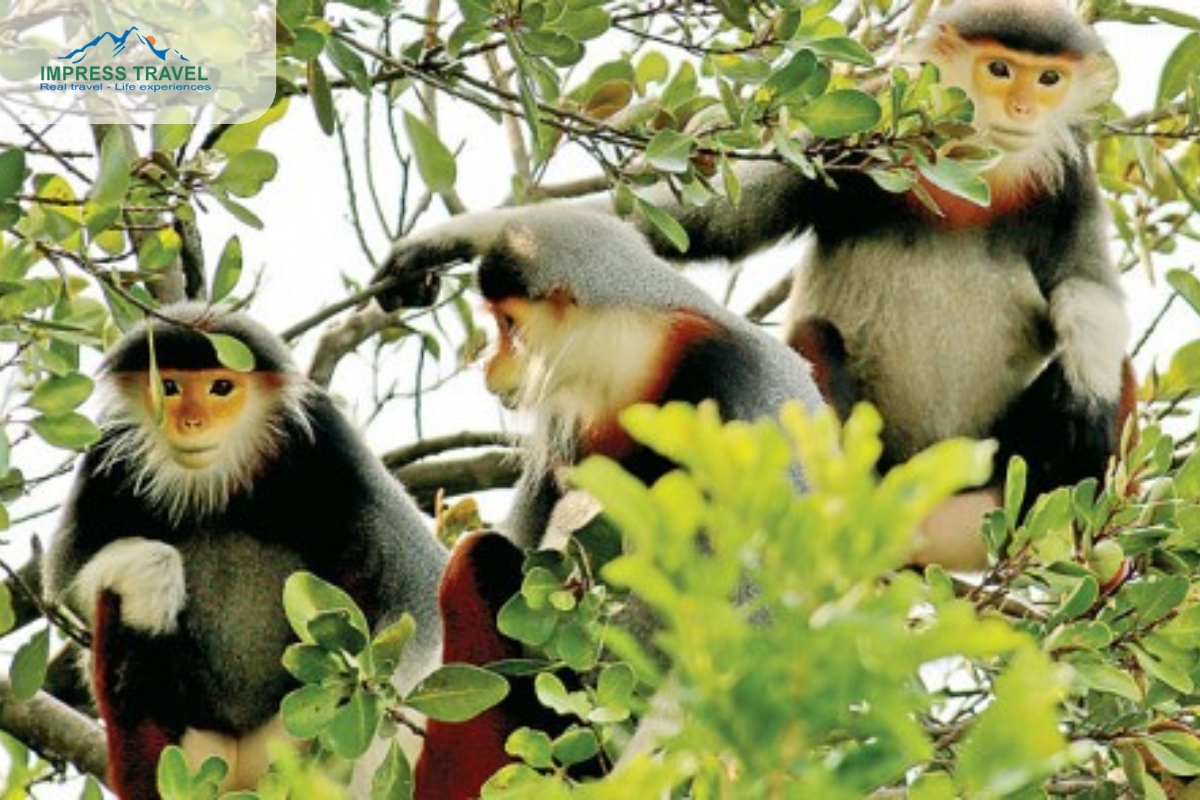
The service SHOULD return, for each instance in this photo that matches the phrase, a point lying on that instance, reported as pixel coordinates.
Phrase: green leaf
(310, 709)
(573, 644)
(583, 24)
(322, 96)
(305, 596)
(116, 160)
(57, 395)
(519, 621)
(71, 431)
(1096, 674)
(229, 270)
(843, 48)
(243, 214)
(99, 219)
(553, 694)
(247, 172)
(608, 98)
(1182, 377)
(670, 151)
(576, 746)
(334, 630)
(232, 352)
(894, 180)
(388, 646)
(91, 790)
(616, 685)
(393, 778)
(1173, 671)
(311, 663)
(538, 586)
(561, 50)
(1178, 752)
(12, 172)
(1016, 478)
(664, 223)
(457, 692)
(435, 162)
(28, 668)
(8, 619)
(1156, 597)
(309, 43)
(1180, 69)
(349, 64)
(167, 138)
(841, 113)
(1186, 285)
(174, 779)
(531, 746)
(159, 250)
(245, 135)
(933, 786)
(955, 178)
(652, 68)
(353, 727)
(792, 76)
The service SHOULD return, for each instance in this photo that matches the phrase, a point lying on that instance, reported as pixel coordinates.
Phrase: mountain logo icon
(118, 46)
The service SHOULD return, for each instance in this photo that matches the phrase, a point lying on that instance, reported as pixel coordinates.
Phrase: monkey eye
(221, 387)
(1050, 77)
(506, 322)
(170, 387)
(999, 69)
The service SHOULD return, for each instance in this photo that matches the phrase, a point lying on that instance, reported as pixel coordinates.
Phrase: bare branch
(343, 338)
(54, 729)
(403, 456)
(424, 480)
(773, 298)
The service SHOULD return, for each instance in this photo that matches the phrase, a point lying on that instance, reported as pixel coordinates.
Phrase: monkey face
(506, 366)
(200, 411)
(1017, 95)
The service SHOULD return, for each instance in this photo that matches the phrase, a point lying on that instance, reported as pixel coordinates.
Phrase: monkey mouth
(196, 456)
(1010, 138)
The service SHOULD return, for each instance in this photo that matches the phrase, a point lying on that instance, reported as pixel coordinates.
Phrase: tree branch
(403, 456)
(424, 480)
(54, 730)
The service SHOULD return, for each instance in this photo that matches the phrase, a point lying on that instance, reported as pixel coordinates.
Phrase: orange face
(1015, 92)
(506, 366)
(200, 411)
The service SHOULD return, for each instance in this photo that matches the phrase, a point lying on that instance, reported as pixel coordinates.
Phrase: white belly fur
(943, 333)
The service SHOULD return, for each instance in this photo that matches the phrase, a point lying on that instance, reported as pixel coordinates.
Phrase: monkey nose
(191, 423)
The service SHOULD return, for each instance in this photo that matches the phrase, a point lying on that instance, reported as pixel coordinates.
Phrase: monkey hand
(148, 577)
(410, 276)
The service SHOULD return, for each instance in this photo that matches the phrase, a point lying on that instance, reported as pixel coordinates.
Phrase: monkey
(207, 489)
(1005, 321)
(590, 322)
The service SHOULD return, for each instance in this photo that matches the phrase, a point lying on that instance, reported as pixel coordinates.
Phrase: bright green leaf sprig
(812, 683)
